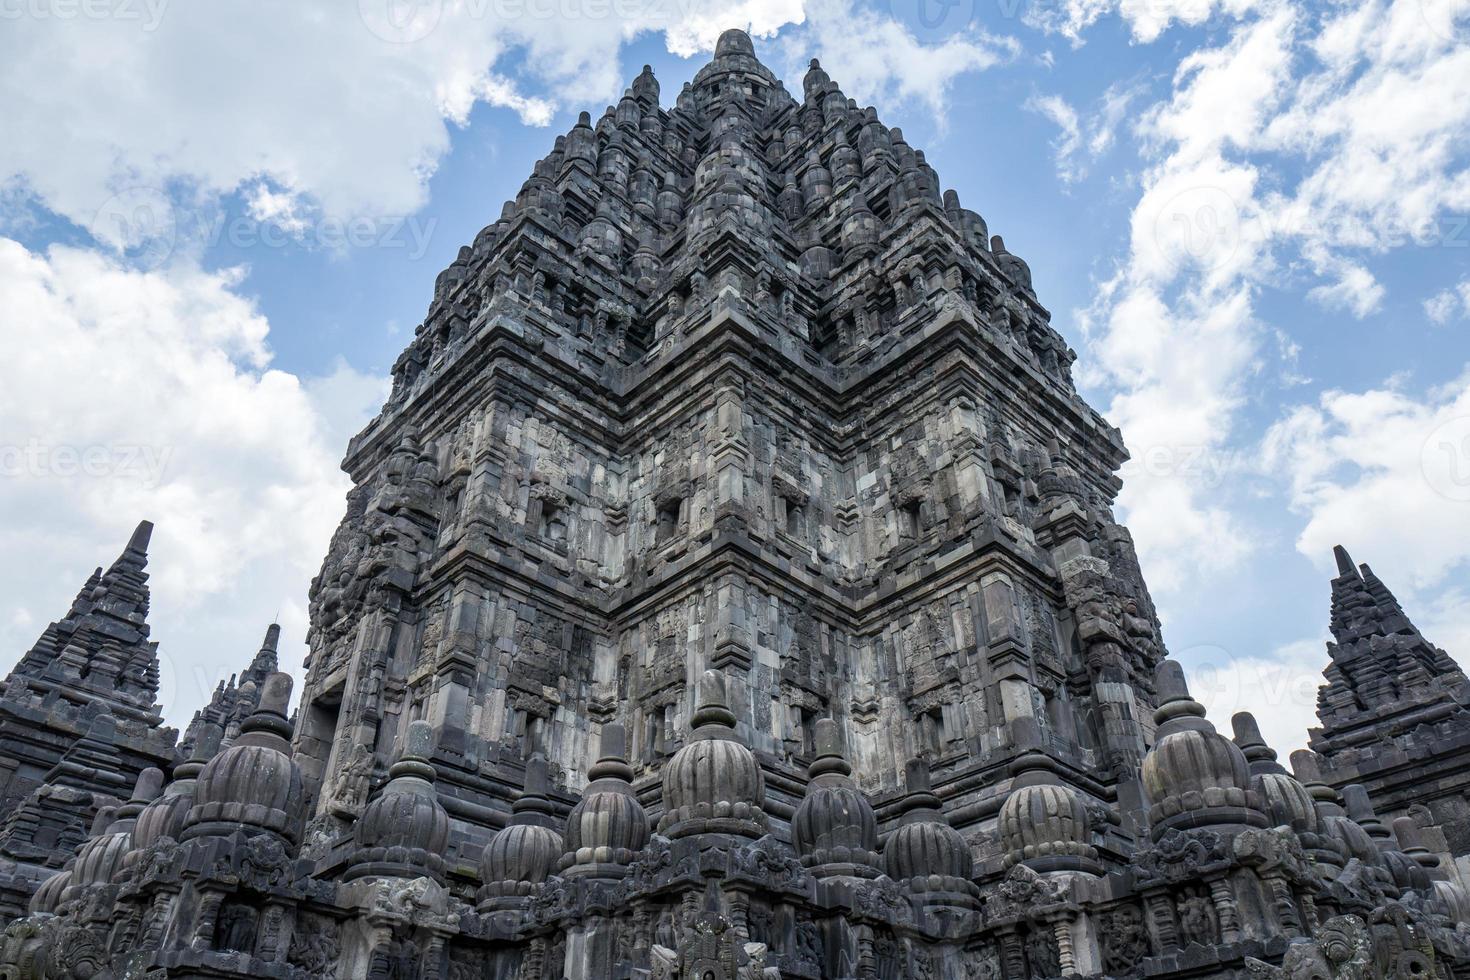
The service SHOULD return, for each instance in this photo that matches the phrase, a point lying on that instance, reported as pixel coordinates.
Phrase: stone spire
(99, 652)
(234, 700)
(52, 820)
(1383, 671)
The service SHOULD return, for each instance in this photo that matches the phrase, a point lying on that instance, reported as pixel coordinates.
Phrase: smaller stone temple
(1395, 715)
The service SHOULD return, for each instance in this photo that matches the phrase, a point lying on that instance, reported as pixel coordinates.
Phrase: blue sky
(220, 225)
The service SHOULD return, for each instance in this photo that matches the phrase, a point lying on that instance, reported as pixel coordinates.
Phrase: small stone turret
(834, 830)
(924, 853)
(403, 830)
(713, 784)
(520, 857)
(608, 825)
(254, 786)
(1194, 776)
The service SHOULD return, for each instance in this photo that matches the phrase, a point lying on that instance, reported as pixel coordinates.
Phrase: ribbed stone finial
(827, 740)
(924, 853)
(713, 709)
(520, 857)
(834, 830)
(612, 759)
(1345, 564)
(254, 785)
(1261, 756)
(275, 694)
(1360, 809)
(103, 820)
(713, 784)
(404, 829)
(916, 776)
(608, 825)
(1308, 769)
(1194, 776)
(1411, 841)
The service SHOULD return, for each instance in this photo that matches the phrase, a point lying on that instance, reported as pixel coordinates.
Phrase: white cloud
(1080, 141)
(878, 60)
(131, 395)
(1279, 689)
(1146, 19)
(1386, 474)
(346, 104)
(1449, 304)
(1291, 154)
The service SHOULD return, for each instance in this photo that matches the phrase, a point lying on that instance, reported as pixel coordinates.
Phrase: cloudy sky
(220, 222)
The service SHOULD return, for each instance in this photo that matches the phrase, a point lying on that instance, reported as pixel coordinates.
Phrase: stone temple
(729, 589)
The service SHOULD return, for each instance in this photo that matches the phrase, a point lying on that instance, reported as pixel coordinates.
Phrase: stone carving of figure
(352, 785)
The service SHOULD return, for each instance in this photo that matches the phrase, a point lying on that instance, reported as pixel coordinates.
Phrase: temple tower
(732, 385)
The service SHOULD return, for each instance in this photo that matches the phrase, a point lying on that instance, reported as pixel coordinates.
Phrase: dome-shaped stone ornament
(925, 854)
(254, 786)
(1045, 824)
(713, 785)
(1287, 802)
(1326, 849)
(403, 830)
(47, 900)
(519, 858)
(834, 830)
(99, 858)
(1195, 777)
(165, 816)
(608, 826)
